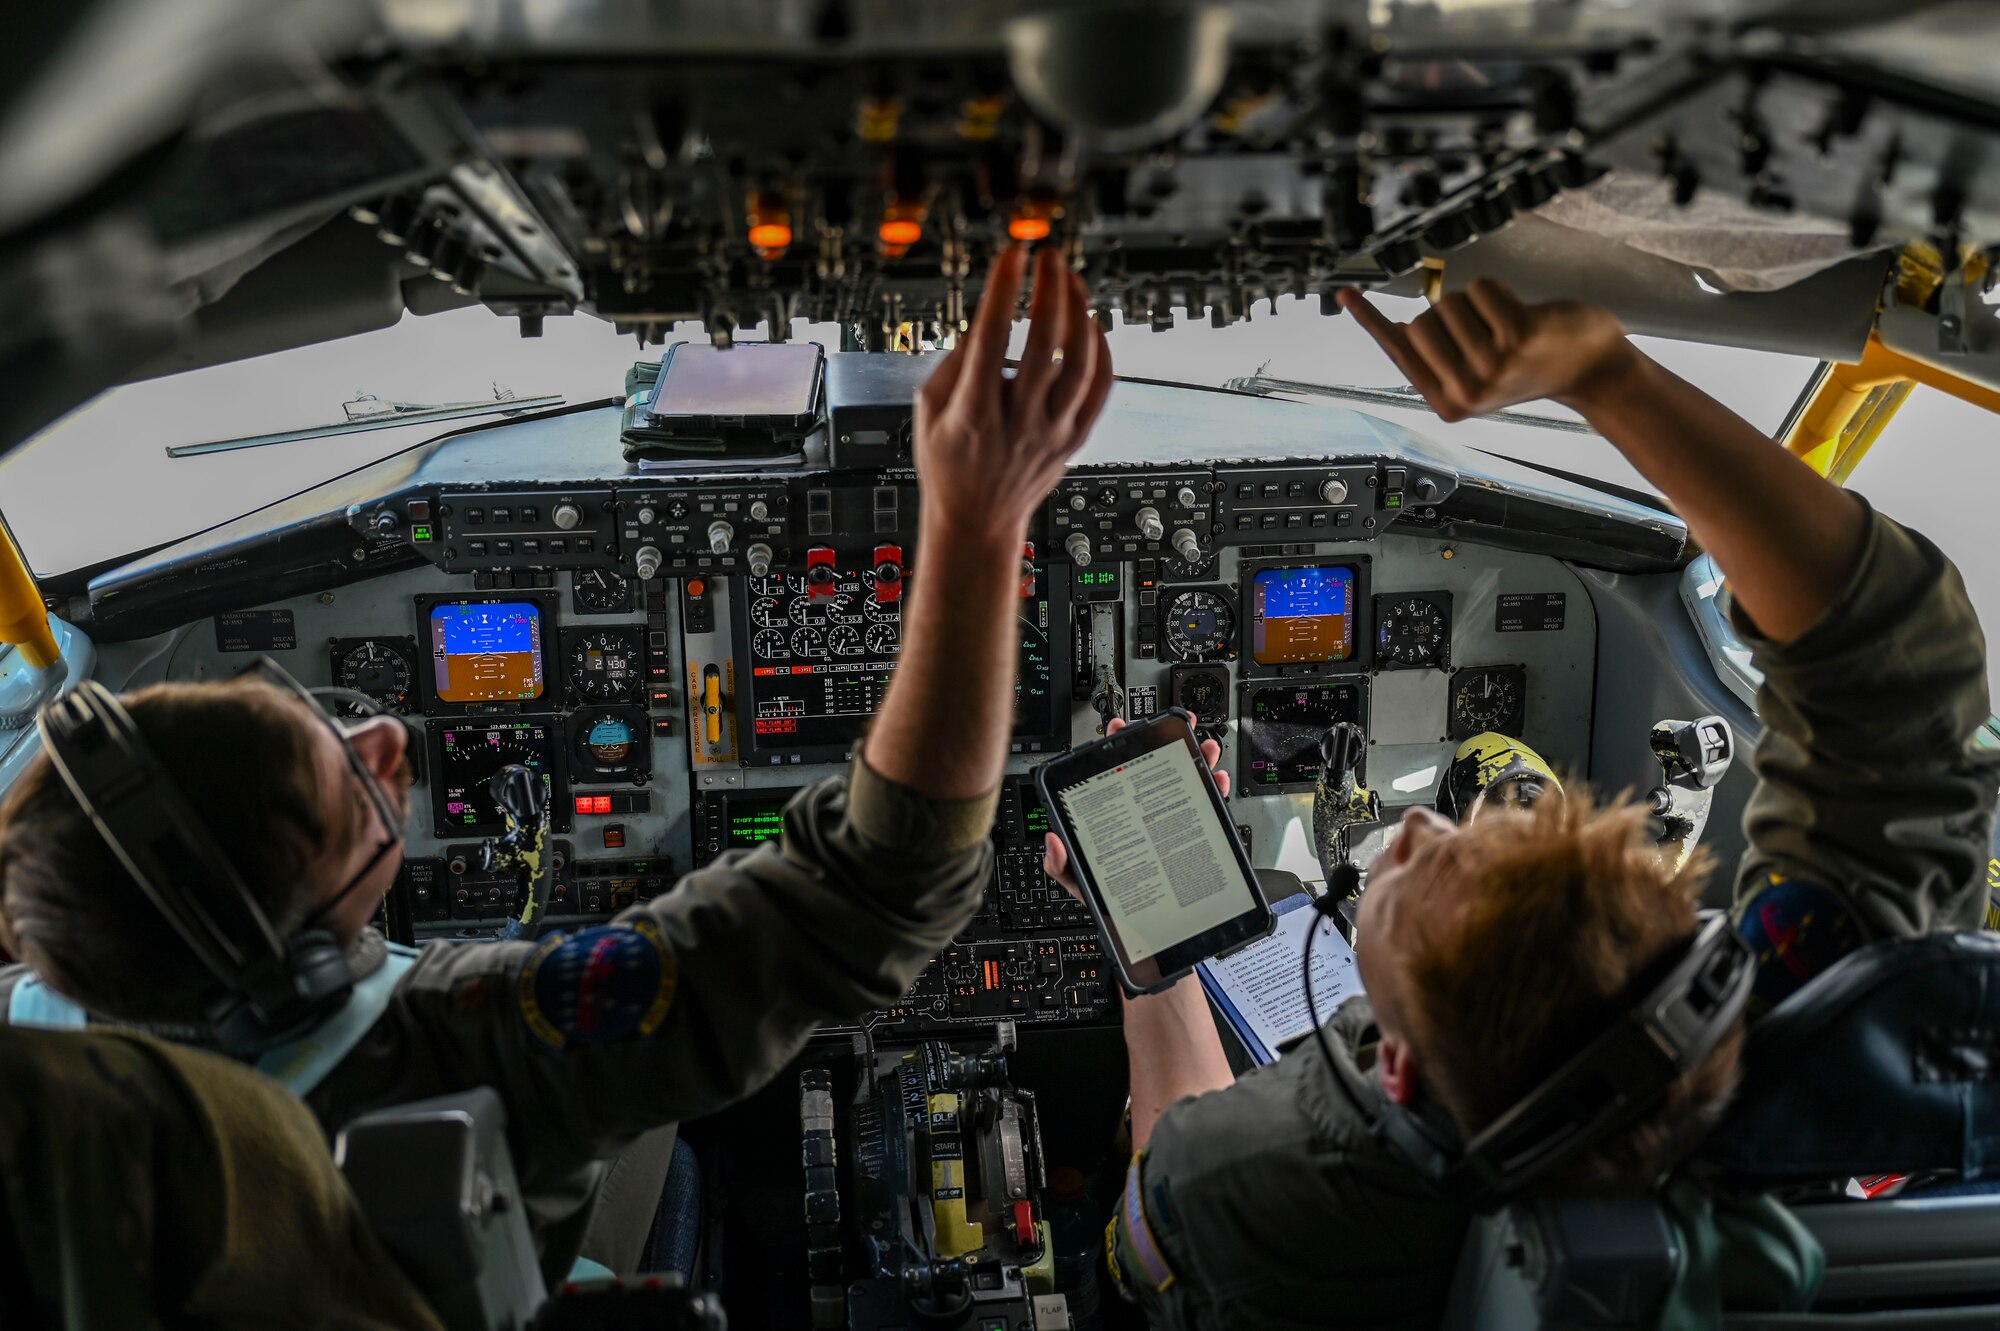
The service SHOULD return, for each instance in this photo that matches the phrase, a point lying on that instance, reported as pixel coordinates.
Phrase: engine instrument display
(464, 757)
(486, 651)
(1198, 624)
(383, 668)
(609, 744)
(1413, 630)
(1286, 724)
(1302, 616)
(607, 665)
(819, 665)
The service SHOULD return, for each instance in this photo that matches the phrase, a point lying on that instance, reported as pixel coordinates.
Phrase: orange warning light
(900, 232)
(770, 236)
(1025, 228)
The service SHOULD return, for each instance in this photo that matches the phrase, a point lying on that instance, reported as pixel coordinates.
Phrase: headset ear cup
(320, 965)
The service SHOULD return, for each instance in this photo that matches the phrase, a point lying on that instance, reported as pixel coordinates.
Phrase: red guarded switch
(822, 574)
(1027, 569)
(888, 573)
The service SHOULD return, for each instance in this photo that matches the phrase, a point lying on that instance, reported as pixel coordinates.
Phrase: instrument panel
(676, 655)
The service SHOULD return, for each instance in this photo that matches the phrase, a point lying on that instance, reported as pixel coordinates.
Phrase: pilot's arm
(1874, 808)
(694, 999)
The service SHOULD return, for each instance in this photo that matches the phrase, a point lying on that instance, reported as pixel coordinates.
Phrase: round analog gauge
(1205, 693)
(845, 609)
(774, 585)
(1411, 631)
(795, 583)
(767, 614)
(805, 610)
(882, 640)
(881, 612)
(1486, 698)
(609, 743)
(844, 640)
(376, 667)
(606, 665)
(768, 644)
(609, 739)
(1198, 625)
(599, 591)
(807, 642)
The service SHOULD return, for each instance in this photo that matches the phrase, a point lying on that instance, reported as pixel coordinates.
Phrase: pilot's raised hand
(1055, 855)
(990, 448)
(1479, 350)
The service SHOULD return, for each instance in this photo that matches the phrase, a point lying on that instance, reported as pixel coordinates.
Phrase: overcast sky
(1934, 468)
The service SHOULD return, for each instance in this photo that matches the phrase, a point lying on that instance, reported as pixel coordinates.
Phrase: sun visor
(1826, 316)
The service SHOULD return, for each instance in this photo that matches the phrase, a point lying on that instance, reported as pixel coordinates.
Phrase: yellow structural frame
(1850, 405)
(24, 620)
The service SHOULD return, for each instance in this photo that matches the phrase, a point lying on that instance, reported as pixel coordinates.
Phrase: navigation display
(486, 651)
(820, 665)
(1302, 616)
(1285, 729)
(464, 757)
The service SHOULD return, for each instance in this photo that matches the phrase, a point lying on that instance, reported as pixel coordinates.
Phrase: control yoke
(1694, 756)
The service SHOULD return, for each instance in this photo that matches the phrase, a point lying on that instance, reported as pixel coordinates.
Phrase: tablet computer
(1151, 844)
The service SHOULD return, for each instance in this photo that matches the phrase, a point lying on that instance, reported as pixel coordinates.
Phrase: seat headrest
(1889, 1062)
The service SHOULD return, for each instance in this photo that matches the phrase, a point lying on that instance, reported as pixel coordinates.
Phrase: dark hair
(1569, 905)
(242, 756)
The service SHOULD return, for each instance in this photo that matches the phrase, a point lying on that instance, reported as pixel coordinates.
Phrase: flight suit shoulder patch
(611, 983)
(1140, 1253)
(1797, 928)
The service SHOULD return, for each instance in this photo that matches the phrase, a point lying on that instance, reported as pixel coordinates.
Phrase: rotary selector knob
(1078, 547)
(758, 557)
(566, 516)
(720, 534)
(1187, 498)
(648, 562)
(647, 516)
(1150, 526)
(384, 522)
(759, 512)
(1333, 490)
(1186, 546)
(1426, 488)
(1078, 503)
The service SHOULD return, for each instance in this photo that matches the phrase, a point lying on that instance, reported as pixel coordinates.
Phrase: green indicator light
(420, 533)
(1392, 501)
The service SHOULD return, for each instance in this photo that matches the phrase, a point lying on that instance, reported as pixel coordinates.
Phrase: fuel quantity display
(487, 651)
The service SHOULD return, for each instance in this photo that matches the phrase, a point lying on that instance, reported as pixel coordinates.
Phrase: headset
(1682, 1016)
(272, 985)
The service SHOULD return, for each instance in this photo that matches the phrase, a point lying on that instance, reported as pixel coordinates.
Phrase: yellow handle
(24, 620)
(711, 701)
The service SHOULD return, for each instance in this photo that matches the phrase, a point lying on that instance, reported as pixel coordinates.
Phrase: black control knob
(1426, 488)
(384, 522)
(678, 509)
(1107, 497)
(566, 516)
(1078, 549)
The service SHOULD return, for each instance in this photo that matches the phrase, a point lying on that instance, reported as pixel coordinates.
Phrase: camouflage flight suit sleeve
(1873, 812)
(684, 1003)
